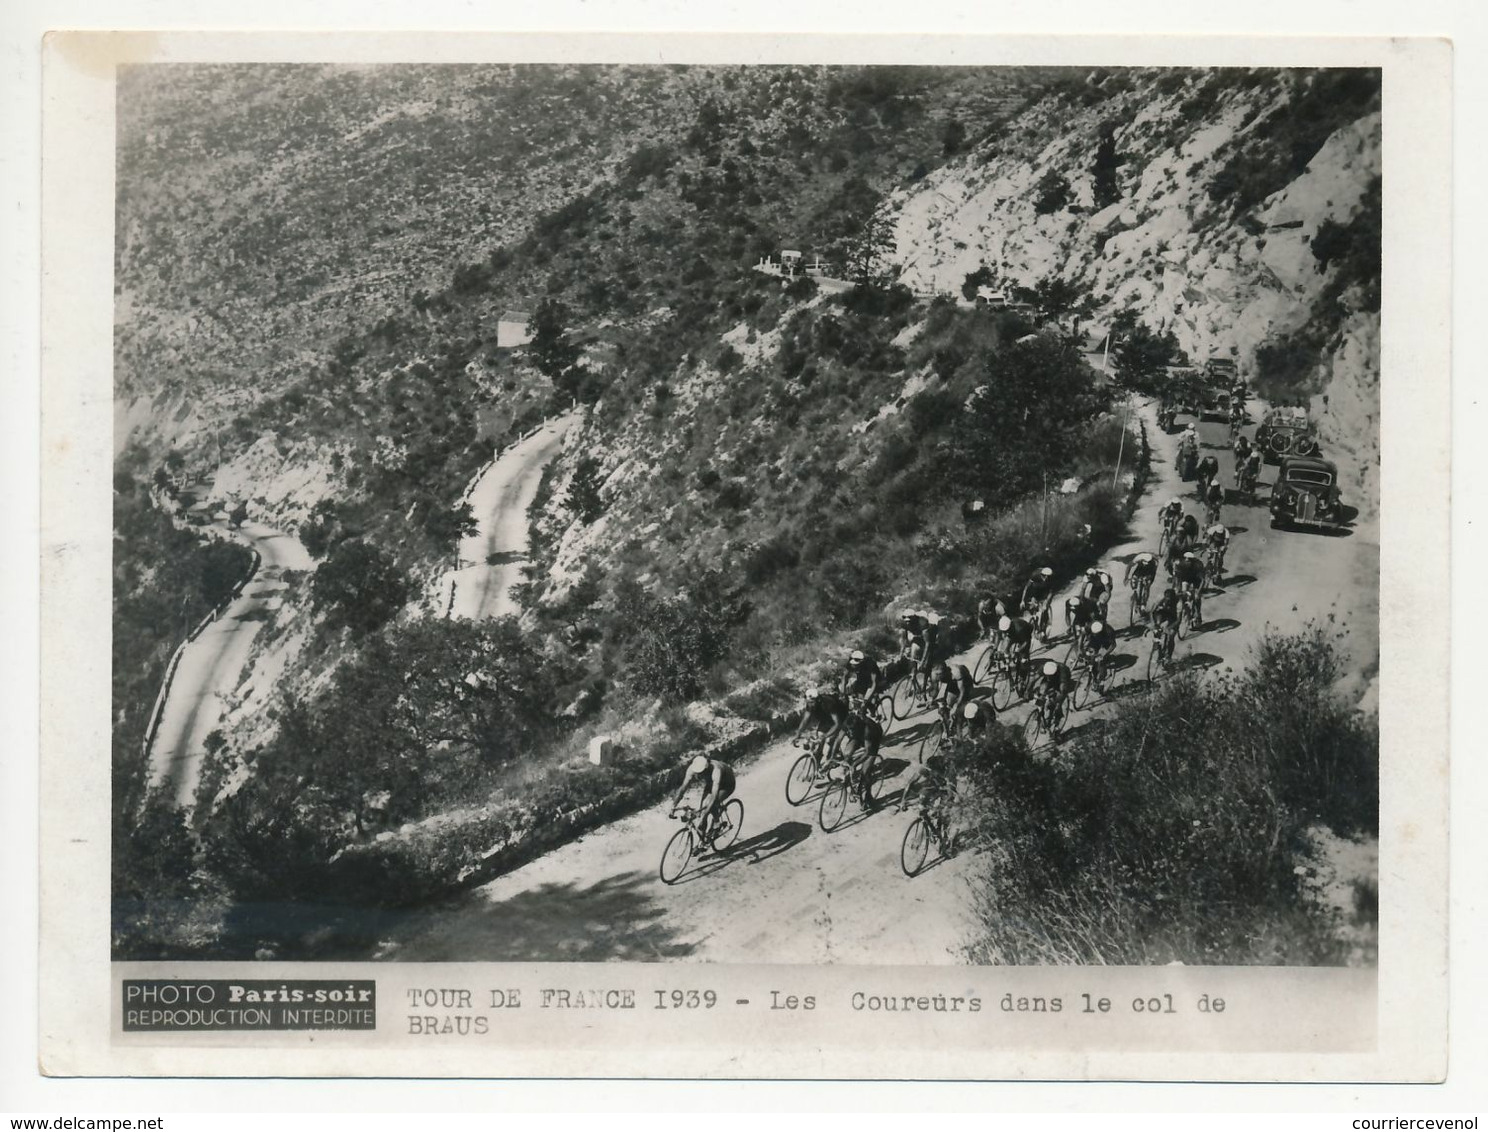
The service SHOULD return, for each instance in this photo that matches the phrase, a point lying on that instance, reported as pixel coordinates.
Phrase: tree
(671, 643)
(981, 277)
(583, 500)
(550, 349)
(869, 253)
(222, 566)
(448, 525)
(1052, 193)
(1141, 354)
(238, 515)
(954, 137)
(358, 587)
(1107, 190)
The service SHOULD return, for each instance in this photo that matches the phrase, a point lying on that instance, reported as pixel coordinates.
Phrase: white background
(22, 23)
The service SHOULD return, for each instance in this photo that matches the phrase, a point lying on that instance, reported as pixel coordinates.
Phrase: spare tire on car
(1306, 446)
(1279, 442)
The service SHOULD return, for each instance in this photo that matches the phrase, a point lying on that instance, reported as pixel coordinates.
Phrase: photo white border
(1417, 364)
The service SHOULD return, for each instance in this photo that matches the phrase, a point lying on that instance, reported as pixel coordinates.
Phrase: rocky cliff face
(1212, 236)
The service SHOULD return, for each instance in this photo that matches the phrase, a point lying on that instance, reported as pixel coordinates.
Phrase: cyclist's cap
(971, 709)
(1189, 554)
(1097, 626)
(856, 658)
(1004, 624)
(698, 765)
(1046, 571)
(1050, 668)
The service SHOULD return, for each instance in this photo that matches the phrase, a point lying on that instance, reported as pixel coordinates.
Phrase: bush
(1173, 832)
(358, 587)
(1053, 193)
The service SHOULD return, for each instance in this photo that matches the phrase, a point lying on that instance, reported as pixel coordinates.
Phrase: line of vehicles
(843, 763)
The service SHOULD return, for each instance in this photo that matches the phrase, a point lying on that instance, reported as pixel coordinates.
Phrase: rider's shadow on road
(1221, 625)
(1195, 661)
(771, 843)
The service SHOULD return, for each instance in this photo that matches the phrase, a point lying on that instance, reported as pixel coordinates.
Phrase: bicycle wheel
(801, 779)
(1154, 661)
(1002, 689)
(903, 702)
(984, 663)
(1033, 726)
(833, 806)
(1082, 694)
(915, 847)
(676, 855)
(1183, 617)
(726, 831)
(930, 744)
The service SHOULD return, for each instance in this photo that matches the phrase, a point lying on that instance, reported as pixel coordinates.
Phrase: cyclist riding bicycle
(990, 610)
(1242, 452)
(1142, 568)
(953, 691)
(862, 679)
(717, 780)
(1208, 471)
(1217, 540)
(863, 736)
(919, 632)
(1214, 499)
(827, 713)
(1038, 591)
(1079, 611)
(1017, 641)
(1053, 682)
(1097, 588)
(1165, 610)
(1189, 577)
(1098, 643)
(1170, 513)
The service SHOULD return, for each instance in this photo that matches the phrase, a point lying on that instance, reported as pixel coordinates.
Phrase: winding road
(211, 666)
(789, 893)
(492, 558)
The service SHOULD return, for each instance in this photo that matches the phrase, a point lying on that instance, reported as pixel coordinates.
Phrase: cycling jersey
(1104, 641)
(1143, 565)
(1079, 610)
(863, 733)
(1061, 683)
(1189, 528)
(862, 679)
(952, 676)
(1218, 536)
(1019, 636)
(1097, 587)
(1208, 467)
(1166, 609)
(1037, 589)
(1189, 572)
(1216, 492)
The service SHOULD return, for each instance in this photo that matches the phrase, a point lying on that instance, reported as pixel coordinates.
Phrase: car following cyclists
(716, 778)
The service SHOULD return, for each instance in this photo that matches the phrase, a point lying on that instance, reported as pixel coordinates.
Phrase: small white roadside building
(513, 329)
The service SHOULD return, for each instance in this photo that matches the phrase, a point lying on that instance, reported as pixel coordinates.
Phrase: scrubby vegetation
(1179, 827)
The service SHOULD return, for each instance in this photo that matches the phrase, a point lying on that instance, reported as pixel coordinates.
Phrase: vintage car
(1214, 401)
(1306, 493)
(1286, 431)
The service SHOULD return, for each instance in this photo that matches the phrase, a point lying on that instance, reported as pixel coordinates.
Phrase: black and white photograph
(785, 514)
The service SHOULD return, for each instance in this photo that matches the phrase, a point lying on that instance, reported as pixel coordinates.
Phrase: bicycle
(1246, 486)
(1095, 681)
(927, 828)
(688, 840)
(1188, 613)
(805, 774)
(1160, 657)
(1169, 534)
(912, 690)
(1005, 680)
(986, 660)
(1213, 566)
(1049, 715)
(880, 709)
(1141, 591)
(1211, 513)
(844, 782)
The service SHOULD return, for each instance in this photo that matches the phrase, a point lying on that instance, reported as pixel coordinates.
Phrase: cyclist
(717, 780)
(990, 610)
(1253, 468)
(827, 712)
(953, 691)
(1208, 471)
(1053, 682)
(1214, 500)
(1170, 513)
(1017, 642)
(1141, 570)
(1242, 452)
(1038, 591)
(1097, 588)
(1079, 611)
(862, 679)
(1165, 618)
(1098, 643)
(1237, 413)
(863, 738)
(1188, 575)
(1217, 539)
(919, 632)
(1188, 530)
